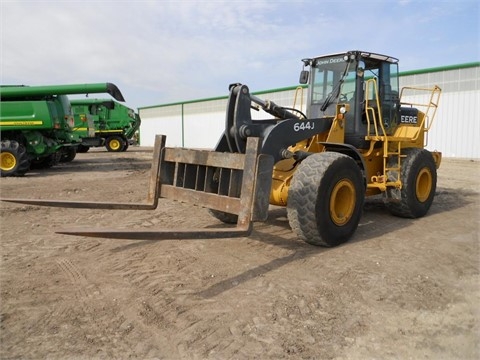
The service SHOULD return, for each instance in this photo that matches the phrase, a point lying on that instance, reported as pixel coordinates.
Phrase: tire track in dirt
(156, 299)
(97, 314)
(268, 294)
(193, 315)
(83, 288)
(174, 306)
(170, 303)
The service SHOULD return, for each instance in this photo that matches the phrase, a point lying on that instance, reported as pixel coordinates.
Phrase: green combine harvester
(114, 124)
(37, 123)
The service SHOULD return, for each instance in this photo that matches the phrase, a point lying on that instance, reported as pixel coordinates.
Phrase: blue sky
(160, 52)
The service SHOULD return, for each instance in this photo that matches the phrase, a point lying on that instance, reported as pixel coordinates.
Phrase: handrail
(369, 108)
(430, 107)
(299, 89)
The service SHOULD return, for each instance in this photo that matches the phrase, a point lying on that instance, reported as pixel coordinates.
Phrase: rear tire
(418, 175)
(325, 199)
(115, 143)
(14, 159)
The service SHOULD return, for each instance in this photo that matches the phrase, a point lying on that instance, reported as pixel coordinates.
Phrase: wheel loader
(357, 137)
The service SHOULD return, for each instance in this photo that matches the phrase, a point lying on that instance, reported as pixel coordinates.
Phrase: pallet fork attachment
(230, 183)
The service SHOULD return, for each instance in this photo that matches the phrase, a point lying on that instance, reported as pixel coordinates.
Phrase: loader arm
(277, 134)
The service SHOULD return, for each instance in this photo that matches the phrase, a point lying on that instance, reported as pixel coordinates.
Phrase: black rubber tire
(325, 199)
(224, 217)
(14, 159)
(126, 146)
(418, 175)
(81, 149)
(46, 162)
(115, 143)
(68, 154)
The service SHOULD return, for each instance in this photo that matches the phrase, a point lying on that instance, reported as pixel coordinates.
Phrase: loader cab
(360, 79)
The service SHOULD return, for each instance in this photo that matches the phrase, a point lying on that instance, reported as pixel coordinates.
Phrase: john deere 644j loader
(358, 137)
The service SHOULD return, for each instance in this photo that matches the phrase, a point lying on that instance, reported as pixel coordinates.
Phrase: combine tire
(68, 154)
(418, 175)
(325, 199)
(46, 162)
(82, 149)
(13, 159)
(115, 143)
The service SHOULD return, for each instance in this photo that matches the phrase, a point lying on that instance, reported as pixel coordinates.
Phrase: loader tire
(418, 175)
(224, 217)
(325, 199)
(115, 143)
(14, 159)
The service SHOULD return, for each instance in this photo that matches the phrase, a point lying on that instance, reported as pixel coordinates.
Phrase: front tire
(418, 175)
(14, 159)
(325, 199)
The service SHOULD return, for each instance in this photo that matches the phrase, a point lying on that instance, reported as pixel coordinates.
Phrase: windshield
(333, 80)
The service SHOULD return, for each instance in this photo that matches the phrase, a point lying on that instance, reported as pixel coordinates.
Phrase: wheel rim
(7, 161)
(423, 185)
(342, 202)
(114, 144)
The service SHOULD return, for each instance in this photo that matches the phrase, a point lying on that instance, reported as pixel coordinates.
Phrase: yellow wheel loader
(358, 136)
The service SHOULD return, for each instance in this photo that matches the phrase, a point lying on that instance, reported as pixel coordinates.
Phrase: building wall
(200, 123)
(456, 127)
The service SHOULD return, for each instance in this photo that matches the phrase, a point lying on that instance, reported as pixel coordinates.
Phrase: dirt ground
(400, 289)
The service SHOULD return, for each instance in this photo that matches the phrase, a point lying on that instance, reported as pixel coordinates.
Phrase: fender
(351, 151)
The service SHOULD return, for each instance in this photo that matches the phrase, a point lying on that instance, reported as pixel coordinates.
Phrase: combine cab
(114, 124)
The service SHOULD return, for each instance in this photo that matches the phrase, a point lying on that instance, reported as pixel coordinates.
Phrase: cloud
(167, 51)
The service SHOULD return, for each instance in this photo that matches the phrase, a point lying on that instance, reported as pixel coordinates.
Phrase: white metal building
(199, 123)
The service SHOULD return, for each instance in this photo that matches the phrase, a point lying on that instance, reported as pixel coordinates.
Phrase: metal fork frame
(252, 163)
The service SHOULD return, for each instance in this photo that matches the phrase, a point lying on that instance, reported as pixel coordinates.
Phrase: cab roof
(364, 54)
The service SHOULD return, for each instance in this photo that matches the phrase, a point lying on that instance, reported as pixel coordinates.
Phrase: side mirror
(304, 77)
